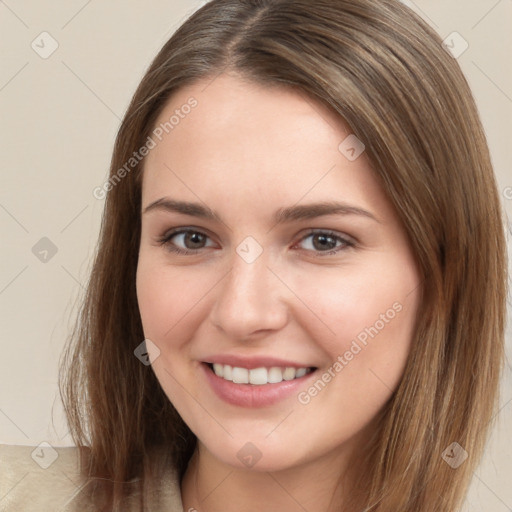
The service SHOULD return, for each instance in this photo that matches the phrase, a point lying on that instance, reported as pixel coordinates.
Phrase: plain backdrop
(68, 70)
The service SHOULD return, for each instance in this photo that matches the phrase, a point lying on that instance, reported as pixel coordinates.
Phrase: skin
(246, 151)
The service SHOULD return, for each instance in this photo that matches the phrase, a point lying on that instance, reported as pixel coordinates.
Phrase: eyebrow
(282, 215)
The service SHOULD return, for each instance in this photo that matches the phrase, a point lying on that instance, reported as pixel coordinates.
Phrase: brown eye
(194, 240)
(324, 242)
(186, 241)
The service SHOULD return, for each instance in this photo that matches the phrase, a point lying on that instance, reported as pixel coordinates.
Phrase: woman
(298, 297)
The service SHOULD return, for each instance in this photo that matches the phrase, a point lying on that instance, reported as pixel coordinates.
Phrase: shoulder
(36, 478)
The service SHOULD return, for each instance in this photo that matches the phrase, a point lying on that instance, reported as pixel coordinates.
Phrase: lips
(235, 386)
(251, 362)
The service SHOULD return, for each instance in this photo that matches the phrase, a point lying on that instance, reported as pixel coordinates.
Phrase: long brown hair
(386, 74)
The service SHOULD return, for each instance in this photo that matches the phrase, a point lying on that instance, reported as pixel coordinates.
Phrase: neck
(323, 485)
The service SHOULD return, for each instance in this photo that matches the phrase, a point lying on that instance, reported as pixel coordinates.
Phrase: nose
(250, 301)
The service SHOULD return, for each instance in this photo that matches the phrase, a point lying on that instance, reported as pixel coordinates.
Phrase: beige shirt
(46, 479)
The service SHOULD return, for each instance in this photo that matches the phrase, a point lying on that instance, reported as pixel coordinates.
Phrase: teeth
(301, 372)
(240, 375)
(219, 369)
(289, 374)
(258, 376)
(228, 372)
(275, 375)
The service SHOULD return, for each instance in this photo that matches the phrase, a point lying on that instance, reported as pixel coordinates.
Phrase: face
(275, 281)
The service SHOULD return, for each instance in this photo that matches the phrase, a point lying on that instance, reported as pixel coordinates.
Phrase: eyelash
(165, 240)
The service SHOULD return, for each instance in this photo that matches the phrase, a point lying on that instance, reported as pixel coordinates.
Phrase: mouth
(256, 387)
(258, 376)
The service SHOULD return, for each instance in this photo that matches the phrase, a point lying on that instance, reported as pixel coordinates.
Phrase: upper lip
(254, 361)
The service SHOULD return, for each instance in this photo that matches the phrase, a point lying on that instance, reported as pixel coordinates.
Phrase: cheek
(368, 316)
(168, 298)
(170, 303)
(373, 316)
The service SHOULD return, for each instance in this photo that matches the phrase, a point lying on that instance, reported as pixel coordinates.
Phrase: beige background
(59, 119)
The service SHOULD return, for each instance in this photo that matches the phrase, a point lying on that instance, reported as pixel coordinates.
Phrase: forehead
(254, 142)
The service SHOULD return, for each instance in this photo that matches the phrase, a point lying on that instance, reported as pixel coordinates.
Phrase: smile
(256, 387)
(258, 376)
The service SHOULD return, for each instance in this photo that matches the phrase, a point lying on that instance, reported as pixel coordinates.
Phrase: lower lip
(249, 395)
